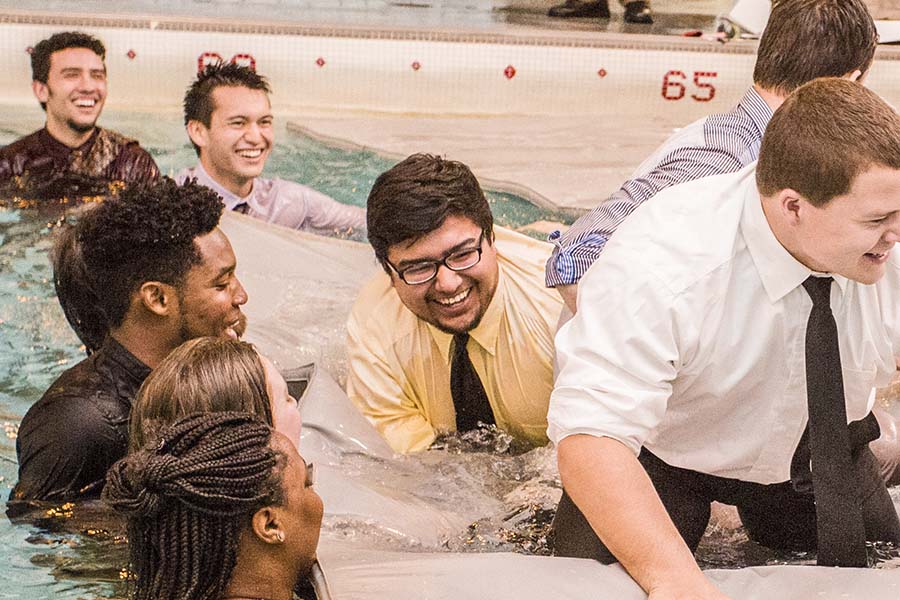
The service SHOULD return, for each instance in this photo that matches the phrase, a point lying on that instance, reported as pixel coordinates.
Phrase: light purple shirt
(287, 203)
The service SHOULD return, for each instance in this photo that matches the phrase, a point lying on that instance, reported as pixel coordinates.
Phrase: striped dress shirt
(721, 143)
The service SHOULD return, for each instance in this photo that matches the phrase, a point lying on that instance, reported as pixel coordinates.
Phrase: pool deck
(556, 161)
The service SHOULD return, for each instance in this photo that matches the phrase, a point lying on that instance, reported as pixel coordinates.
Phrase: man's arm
(375, 384)
(135, 165)
(612, 490)
(326, 214)
(711, 153)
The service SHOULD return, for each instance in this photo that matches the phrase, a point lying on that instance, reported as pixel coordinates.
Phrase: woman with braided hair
(220, 507)
(212, 374)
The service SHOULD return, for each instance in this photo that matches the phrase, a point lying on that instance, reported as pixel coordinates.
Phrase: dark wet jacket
(79, 428)
(40, 166)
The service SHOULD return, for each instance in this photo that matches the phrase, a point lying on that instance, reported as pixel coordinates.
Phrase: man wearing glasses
(459, 329)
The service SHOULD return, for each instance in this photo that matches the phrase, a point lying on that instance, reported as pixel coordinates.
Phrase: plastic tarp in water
(387, 517)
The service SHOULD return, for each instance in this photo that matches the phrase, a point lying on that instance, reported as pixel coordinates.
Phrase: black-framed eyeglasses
(426, 270)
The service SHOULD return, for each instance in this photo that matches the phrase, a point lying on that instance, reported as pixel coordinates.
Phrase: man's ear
(41, 91)
(198, 133)
(159, 298)
(266, 525)
(791, 205)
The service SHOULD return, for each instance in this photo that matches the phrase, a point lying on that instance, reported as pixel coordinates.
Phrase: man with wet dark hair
(458, 329)
(71, 156)
(229, 121)
(161, 272)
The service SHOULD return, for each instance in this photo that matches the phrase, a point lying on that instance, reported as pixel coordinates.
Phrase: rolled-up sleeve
(617, 357)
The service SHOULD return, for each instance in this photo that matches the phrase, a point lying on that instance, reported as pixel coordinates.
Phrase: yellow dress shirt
(400, 365)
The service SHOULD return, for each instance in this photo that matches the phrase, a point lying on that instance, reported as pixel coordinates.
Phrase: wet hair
(416, 196)
(825, 134)
(41, 53)
(79, 301)
(198, 100)
(189, 497)
(145, 234)
(206, 374)
(806, 39)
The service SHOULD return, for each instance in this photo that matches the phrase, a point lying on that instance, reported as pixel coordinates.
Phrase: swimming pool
(511, 494)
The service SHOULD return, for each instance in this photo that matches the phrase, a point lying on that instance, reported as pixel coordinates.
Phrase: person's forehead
(215, 252)
(455, 230)
(234, 100)
(83, 58)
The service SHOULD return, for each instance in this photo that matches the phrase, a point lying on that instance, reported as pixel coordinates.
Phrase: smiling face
(285, 412)
(211, 296)
(74, 93)
(454, 301)
(235, 146)
(852, 235)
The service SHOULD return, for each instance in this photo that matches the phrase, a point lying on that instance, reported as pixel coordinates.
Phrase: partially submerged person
(71, 155)
(219, 506)
(803, 40)
(162, 272)
(724, 340)
(213, 374)
(459, 328)
(229, 119)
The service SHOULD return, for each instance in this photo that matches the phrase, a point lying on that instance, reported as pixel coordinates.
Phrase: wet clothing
(774, 515)
(79, 428)
(399, 374)
(287, 203)
(721, 143)
(40, 166)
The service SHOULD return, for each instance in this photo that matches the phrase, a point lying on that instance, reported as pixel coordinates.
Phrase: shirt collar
(756, 109)
(780, 272)
(229, 198)
(488, 329)
(54, 146)
(125, 363)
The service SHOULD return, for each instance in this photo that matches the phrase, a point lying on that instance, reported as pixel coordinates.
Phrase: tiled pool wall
(398, 70)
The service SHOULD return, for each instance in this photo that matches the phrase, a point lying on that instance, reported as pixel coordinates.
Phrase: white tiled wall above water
(401, 70)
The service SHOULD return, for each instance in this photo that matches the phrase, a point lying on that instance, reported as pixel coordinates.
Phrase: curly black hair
(145, 234)
(198, 104)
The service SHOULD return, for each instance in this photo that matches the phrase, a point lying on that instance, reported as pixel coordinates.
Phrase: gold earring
(279, 535)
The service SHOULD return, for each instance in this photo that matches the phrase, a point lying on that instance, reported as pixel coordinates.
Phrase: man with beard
(70, 155)
(459, 329)
(162, 272)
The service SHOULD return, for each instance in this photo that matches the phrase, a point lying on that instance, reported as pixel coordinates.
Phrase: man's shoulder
(378, 306)
(70, 399)
(27, 144)
(688, 231)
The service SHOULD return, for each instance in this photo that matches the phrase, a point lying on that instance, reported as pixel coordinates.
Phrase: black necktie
(840, 528)
(469, 399)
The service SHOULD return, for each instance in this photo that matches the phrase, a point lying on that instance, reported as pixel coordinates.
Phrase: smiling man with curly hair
(156, 271)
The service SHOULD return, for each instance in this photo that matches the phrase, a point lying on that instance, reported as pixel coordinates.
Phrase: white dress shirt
(690, 333)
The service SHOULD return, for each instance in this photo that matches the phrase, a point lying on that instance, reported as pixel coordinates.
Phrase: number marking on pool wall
(674, 88)
(241, 58)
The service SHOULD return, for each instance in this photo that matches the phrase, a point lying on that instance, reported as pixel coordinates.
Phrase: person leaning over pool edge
(229, 120)
(708, 318)
(69, 80)
(461, 305)
(162, 272)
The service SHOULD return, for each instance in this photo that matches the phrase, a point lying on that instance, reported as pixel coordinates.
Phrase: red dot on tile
(416, 65)
(131, 54)
(509, 72)
(601, 73)
(320, 61)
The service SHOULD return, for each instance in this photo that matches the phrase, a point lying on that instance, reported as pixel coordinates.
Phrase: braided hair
(189, 497)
